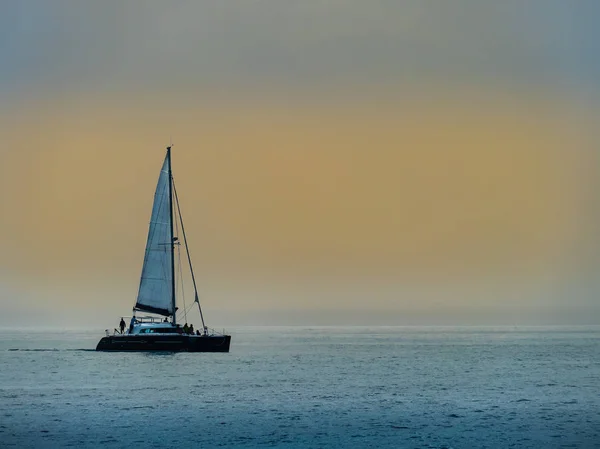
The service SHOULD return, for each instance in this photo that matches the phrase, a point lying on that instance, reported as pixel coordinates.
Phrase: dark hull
(171, 343)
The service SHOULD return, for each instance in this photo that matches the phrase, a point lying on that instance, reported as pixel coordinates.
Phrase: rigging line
(184, 311)
(182, 284)
(176, 287)
(180, 270)
(180, 314)
(187, 249)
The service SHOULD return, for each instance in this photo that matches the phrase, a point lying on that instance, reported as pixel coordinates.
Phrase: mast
(171, 223)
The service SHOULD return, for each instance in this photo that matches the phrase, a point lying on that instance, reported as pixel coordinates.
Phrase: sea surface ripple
(308, 387)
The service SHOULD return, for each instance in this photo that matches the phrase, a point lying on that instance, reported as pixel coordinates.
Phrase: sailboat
(160, 331)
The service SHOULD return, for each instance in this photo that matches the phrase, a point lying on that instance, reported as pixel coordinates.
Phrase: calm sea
(323, 387)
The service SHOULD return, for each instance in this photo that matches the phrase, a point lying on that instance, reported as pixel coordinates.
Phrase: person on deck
(186, 329)
(131, 323)
(166, 319)
(122, 325)
(191, 329)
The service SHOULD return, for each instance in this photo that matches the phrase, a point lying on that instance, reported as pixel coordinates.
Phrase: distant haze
(344, 163)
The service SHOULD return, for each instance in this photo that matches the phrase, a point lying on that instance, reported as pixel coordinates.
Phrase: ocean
(308, 387)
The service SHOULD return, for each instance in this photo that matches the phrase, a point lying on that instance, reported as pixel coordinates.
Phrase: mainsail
(156, 285)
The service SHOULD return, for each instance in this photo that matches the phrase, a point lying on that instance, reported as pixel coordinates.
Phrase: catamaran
(157, 291)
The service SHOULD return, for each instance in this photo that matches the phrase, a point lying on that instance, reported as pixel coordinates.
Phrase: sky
(338, 163)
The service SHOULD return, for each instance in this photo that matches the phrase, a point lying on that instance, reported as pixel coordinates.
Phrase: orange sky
(447, 196)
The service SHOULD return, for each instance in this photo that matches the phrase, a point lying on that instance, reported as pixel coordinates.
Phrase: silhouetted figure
(186, 329)
(166, 320)
(191, 329)
(197, 331)
(122, 325)
(131, 323)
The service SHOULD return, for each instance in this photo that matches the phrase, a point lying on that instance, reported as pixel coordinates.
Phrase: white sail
(156, 291)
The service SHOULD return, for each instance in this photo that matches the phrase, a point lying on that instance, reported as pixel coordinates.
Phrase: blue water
(290, 387)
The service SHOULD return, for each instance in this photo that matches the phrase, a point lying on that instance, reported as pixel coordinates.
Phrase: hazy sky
(382, 162)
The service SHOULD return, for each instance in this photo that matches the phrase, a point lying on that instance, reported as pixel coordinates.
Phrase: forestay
(156, 293)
